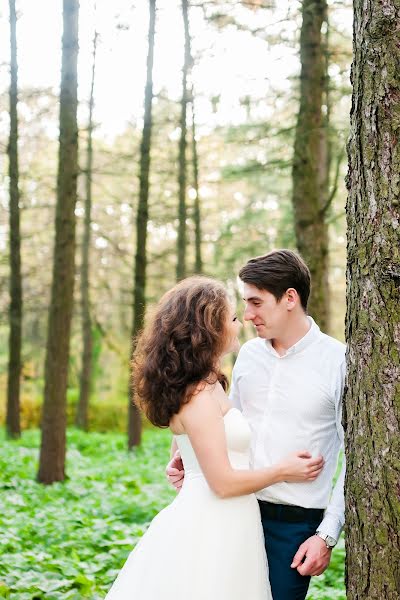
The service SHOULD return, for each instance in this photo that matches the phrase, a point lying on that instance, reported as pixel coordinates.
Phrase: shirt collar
(312, 334)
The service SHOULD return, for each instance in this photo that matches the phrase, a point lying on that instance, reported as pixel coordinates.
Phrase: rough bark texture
(139, 291)
(182, 162)
(52, 451)
(86, 366)
(309, 175)
(372, 400)
(15, 312)
(198, 265)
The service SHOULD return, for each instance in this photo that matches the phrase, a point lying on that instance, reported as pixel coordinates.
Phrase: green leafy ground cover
(67, 541)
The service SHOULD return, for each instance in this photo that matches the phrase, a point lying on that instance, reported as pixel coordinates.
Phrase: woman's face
(233, 326)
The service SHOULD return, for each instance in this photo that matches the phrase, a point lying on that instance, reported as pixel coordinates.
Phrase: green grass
(68, 541)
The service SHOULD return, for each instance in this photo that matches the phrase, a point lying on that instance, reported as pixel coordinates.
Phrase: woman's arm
(204, 424)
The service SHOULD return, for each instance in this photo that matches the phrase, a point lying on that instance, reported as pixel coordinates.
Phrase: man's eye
(234, 319)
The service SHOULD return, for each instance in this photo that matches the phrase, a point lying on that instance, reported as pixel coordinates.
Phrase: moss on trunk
(372, 400)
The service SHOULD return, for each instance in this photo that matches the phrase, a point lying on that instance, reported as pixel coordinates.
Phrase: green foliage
(69, 540)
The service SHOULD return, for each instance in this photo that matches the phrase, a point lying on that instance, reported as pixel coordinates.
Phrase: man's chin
(261, 332)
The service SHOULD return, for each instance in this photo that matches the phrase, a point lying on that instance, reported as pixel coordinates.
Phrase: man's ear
(292, 298)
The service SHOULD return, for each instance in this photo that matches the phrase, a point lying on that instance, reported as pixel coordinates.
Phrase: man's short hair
(278, 271)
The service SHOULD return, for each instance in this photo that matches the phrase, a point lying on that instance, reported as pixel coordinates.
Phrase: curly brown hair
(180, 347)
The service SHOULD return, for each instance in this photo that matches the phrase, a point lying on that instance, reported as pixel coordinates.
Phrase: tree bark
(372, 400)
(182, 161)
(196, 211)
(310, 161)
(139, 291)
(86, 368)
(52, 451)
(15, 311)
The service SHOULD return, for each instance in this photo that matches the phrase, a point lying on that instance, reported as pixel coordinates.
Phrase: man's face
(268, 316)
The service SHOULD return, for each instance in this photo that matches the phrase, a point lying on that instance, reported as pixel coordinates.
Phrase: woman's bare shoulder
(203, 401)
(210, 399)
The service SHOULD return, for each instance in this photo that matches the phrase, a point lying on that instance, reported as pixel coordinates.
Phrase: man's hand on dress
(175, 471)
(317, 557)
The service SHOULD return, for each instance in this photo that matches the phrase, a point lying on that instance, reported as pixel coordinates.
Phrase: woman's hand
(300, 466)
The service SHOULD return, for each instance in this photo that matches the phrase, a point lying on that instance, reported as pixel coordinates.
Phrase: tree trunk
(86, 368)
(310, 161)
(372, 401)
(139, 292)
(14, 362)
(182, 209)
(52, 451)
(196, 211)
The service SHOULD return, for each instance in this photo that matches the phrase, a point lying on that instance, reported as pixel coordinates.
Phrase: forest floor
(68, 541)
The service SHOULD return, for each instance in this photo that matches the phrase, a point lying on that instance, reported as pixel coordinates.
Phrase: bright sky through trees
(233, 63)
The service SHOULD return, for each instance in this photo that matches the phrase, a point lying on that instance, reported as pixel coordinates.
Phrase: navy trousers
(282, 540)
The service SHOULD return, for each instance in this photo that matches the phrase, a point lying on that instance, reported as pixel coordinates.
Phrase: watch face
(330, 541)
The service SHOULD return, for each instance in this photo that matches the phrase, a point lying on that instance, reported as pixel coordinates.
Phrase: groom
(288, 382)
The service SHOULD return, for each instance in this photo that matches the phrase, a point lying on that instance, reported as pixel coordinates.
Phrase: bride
(208, 543)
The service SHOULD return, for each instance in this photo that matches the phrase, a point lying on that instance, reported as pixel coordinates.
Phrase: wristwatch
(330, 542)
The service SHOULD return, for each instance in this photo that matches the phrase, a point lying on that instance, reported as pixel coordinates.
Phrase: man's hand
(175, 471)
(316, 554)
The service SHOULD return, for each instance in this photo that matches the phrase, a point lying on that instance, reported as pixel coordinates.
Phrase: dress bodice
(237, 433)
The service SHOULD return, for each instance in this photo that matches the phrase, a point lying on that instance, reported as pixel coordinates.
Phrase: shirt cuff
(330, 526)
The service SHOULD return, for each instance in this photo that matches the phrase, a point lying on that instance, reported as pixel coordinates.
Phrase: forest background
(246, 82)
(244, 103)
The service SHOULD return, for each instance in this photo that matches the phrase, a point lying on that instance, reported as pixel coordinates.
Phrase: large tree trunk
(52, 451)
(86, 368)
(310, 161)
(196, 211)
(14, 361)
(182, 161)
(372, 401)
(139, 292)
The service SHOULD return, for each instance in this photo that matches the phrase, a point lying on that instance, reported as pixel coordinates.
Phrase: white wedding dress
(201, 547)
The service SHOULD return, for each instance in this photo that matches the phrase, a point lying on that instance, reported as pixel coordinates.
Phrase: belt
(289, 513)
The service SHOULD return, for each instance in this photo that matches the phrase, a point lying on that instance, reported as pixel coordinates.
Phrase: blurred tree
(198, 265)
(310, 160)
(87, 333)
(372, 402)
(181, 266)
(139, 291)
(52, 451)
(15, 310)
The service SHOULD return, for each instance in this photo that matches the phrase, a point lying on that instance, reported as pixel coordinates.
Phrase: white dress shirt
(294, 402)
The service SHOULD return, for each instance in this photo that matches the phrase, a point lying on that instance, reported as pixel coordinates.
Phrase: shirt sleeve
(333, 521)
(234, 395)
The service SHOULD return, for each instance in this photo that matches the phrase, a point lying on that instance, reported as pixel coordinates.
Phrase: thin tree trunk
(182, 162)
(86, 368)
(14, 362)
(139, 292)
(372, 401)
(309, 175)
(52, 451)
(196, 211)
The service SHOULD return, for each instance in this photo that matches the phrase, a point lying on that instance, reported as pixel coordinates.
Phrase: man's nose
(248, 314)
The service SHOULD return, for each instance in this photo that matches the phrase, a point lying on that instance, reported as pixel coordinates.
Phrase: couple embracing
(255, 516)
